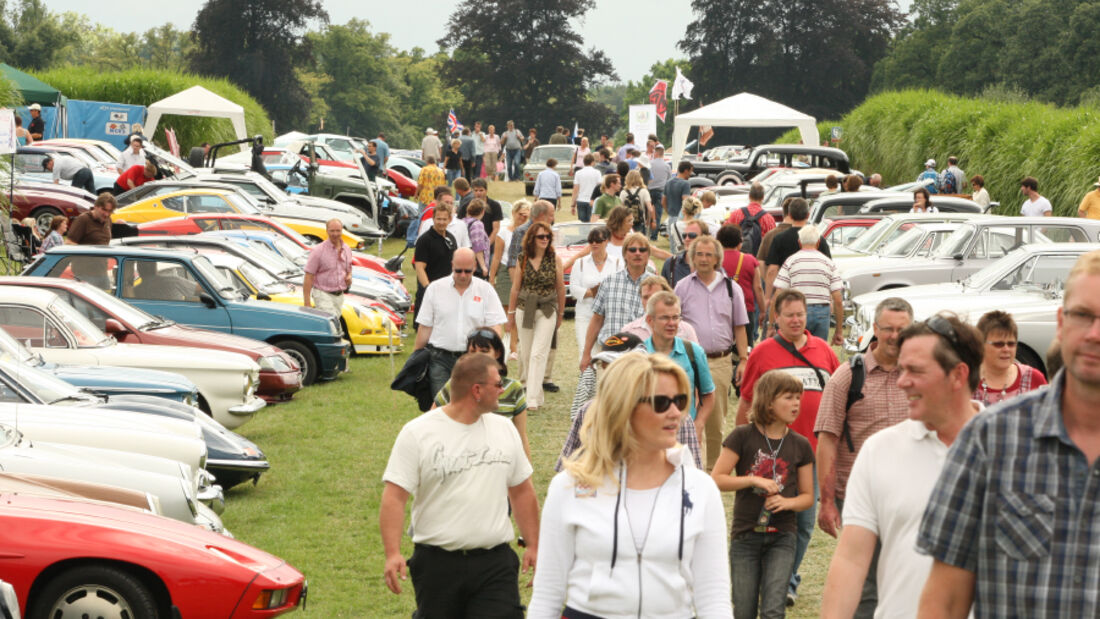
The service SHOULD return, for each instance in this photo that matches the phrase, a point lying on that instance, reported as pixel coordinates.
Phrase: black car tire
(43, 217)
(730, 178)
(305, 358)
(1027, 356)
(94, 590)
(529, 189)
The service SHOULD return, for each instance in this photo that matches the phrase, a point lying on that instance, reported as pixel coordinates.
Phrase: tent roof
(33, 89)
(742, 110)
(196, 101)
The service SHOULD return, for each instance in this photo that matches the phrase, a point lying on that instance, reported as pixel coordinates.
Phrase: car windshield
(117, 308)
(10, 348)
(45, 386)
(1037, 272)
(905, 244)
(225, 288)
(543, 153)
(291, 250)
(957, 242)
(866, 241)
(242, 205)
(179, 168)
(84, 332)
(261, 279)
(282, 264)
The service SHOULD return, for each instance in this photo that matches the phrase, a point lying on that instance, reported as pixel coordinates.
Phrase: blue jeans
(584, 211)
(672, 245)
(515, 168)
(452, 175)
(807, 520)
(817, 320)
(655, 196)
(479, 163)
(750, 329)
(760, 564)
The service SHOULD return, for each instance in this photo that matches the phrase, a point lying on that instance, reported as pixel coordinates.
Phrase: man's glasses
(637, 250)
(691, 235)
(1002, 344)
(660, 403)
(1079, 319)
(943, 328)
(542, 237)
(481, 332)
(499, 384)
(463, 271)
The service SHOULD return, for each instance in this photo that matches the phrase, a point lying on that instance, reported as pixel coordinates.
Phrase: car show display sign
(643, 120)
(8, 142)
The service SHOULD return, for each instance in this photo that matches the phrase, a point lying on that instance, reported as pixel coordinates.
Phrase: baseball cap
(616, 346)
(35, 106)
(931, 163)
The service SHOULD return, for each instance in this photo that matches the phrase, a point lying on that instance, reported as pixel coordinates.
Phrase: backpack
(948, 182)
(751, 230)
(855, 394)
(633, 201)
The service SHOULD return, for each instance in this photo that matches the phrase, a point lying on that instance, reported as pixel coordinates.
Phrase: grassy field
(318, 506)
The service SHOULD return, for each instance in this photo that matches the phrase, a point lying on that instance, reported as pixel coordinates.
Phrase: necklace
(774, 451)
(639, 548)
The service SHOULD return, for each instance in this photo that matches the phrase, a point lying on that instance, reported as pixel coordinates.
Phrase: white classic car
(1027, 283)
(45, 323)
(891, 227)
(861, 274)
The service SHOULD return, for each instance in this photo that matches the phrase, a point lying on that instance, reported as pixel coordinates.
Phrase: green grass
(318, 506)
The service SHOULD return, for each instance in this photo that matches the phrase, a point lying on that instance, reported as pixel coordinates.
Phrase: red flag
(657, 97)
(173, 145)
(706, 132)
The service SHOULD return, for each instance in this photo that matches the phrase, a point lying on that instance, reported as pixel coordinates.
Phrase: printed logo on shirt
(807, 375)
(584, 492)
(477, 299)
(446, 465)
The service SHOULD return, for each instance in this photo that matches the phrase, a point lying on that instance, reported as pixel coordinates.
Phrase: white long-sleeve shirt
(575, 546)
(585, 275)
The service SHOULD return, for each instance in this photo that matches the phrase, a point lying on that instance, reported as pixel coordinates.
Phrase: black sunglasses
(481, 332)
(463, 271)
(943, 328)
(691, 235)
(542, 237)
(637, 250)
(660, 403)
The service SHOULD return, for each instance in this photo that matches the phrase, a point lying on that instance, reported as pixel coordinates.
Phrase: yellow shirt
(430, 178)
(1091, 204)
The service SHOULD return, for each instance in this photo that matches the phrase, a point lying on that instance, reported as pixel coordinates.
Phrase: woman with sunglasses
(499, 275)
(1002, 376)
(586, 276)
(536, 304)
(512, 402)
(620, 221)
(689, 212)
(630, 527)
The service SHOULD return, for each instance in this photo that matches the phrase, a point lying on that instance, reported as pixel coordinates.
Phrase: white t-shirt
(459, 476)
(129, 159)
(1036, 208)
(452, 316)
(457, 228)
(585, 275)
(585, 182)
(887, 491)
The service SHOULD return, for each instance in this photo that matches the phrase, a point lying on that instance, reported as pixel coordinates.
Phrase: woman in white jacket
(631, 528)
(587, 273)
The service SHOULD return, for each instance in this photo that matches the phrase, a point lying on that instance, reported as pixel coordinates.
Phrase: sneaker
(792, 597)
(551, 387)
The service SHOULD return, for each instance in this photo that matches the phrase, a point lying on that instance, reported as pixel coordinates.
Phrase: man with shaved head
(328, 271)
(453, 306)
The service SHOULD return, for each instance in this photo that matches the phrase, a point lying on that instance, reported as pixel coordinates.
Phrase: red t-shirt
(770, 355)
(743, 278)
(767, 222)
(135, 174)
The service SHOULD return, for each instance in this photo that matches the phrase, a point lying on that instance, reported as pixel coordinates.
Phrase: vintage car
(62, 488)
(891, 227)
(570, 238)
(835, 205)
(1027, 283)
(184, 287)
(975, 244)
(841, 231)
(43, 204)
(740, 170)
(782, 184)
(562, 153)
(861, 274)
(84, 559)
(54, 329)
(103, 152)
(280, 377)
(903, 204)
(370, 331)
(29, 160)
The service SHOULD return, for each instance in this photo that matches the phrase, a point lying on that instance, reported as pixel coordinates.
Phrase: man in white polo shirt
(452, 307)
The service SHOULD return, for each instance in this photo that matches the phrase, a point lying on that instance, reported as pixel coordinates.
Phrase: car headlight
(334, 327)
(273, 363)
(249, 386)
(191, 399)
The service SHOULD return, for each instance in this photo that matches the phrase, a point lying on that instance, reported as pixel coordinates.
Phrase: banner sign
(643, 119)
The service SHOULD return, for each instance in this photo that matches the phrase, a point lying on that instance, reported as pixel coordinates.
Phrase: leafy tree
(257, 44)
(637, 93)
(522, 60)
(427, 98)
(34, 36)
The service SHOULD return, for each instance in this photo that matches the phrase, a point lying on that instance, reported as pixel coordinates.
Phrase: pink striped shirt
(329, 264)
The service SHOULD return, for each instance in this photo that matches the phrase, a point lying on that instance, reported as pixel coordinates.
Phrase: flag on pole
(658, 97)
(706, 132)
(452, 122)
(681, 87)
(173, 144)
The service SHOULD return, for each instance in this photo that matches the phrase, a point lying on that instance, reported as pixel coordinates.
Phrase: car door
(173, 289)
(44, 335)
(991, 243)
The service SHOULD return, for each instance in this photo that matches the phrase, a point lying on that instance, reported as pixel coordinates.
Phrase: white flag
(681, 87)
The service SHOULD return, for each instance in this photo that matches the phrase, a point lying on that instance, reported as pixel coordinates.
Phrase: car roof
(197, 191)
(30, 294)
(802, 149)
(117, 248)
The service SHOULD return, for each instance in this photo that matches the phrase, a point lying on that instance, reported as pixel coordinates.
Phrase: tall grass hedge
(147, 86)
(895, 132)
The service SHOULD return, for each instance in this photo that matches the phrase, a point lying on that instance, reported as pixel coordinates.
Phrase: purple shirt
(713, 313)
(329, 265)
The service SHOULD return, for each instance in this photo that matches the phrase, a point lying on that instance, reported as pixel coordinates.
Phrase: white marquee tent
(197, 101)
(742, 110)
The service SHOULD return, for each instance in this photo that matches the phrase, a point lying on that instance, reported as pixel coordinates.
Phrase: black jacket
(413, 378)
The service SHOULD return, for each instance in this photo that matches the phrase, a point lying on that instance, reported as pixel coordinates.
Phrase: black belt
(444, 351)
(717, 355)
(472, 552)
(333, 292)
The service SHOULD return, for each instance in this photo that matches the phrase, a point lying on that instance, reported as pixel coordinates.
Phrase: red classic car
(842, 230)
(405, 185)
(280, 376)
(86, 559)
(43, 203)
(206, 222)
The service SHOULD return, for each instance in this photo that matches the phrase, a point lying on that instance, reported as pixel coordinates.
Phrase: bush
(146, 86)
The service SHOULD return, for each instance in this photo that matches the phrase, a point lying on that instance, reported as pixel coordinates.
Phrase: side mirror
(394, 264)
(207, 300)
(114, 327)
(263, 296)
(958, 257)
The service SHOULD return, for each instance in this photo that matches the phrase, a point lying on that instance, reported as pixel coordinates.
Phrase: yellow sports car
(371, 332)
(190, 203)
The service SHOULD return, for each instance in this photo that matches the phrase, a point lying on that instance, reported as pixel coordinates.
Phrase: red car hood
(201, 338)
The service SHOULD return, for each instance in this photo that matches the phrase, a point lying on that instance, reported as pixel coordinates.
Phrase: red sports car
(74, 558)
(43, 203)
(405, 185)
(842, 230)
(280, 376)
(205, 222)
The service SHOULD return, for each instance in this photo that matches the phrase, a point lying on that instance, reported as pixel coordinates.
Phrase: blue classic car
(183, 286)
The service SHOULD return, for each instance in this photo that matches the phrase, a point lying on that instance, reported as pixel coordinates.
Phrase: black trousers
(83, 179)
(473, 584)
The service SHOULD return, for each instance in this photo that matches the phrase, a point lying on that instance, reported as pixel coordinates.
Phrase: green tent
(33, 89)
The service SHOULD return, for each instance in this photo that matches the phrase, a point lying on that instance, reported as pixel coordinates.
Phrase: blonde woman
(578, 155)
(630, 527)
(689, 212)
(500, 276)
(636, 197)
(537, 304)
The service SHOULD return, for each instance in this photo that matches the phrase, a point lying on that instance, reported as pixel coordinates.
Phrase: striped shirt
(813, 274)
(1018, 504)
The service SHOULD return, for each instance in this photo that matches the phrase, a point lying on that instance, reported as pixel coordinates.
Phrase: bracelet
(511, 311)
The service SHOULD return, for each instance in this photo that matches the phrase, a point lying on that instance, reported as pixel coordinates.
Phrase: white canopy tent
(742, 110)
(197, 101)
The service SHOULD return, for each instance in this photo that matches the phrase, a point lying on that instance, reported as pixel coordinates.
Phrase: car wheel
(43, 217)
(731, 178)
(94, 591)
(529, 189)
(304, 357)
(1027, 356)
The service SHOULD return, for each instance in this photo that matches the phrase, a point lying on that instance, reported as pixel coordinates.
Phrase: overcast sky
(633, 33)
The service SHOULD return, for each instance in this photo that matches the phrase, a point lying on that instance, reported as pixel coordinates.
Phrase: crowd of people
(719, 375)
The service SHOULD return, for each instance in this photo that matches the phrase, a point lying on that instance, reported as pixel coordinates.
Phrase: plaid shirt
(1018, 504)
(619, 301)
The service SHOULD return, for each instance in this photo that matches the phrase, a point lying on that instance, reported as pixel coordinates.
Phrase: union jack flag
(452, 122)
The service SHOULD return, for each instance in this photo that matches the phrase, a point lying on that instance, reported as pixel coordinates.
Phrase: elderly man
(453, 306)
(466, 469)
(815, 275)
(715, 306)
(430, 146)
(897, 469)
(328, 271)
(860, 399)
(619, 299)
(70, 169)
(1011, 525)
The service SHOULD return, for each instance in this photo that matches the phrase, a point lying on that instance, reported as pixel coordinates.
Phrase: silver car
(863, 274)
(891, 227)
